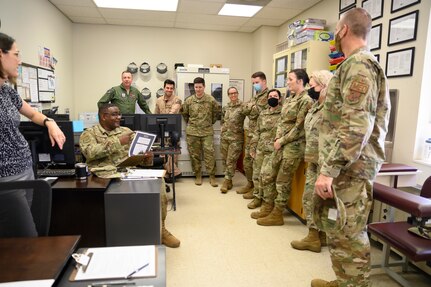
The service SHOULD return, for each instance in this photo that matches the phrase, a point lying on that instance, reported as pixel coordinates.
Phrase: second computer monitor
(162, 124)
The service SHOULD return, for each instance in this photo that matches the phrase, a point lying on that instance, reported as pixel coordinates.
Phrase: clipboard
(117, 263)
(133, 160)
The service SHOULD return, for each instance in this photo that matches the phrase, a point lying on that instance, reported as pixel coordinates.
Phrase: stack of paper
(136, 174)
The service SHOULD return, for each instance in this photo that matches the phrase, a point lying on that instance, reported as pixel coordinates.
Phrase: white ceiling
(191, 14)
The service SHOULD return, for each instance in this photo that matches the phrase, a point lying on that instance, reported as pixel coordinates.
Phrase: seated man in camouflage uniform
(107, 144)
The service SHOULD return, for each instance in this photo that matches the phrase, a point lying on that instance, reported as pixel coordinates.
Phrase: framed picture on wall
(398, 5)
(375, 37)
(374, 7)
(342, 12)
(400, 63)
(403, 28)
(346, 4)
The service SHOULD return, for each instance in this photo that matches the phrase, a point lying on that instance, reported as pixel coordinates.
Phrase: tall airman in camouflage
(232, 136)
(201, 111)
(125, 96)
(107, 144)
(290, 140)
(262, 143)
(254, 107)
(351, 146)
(319, 81)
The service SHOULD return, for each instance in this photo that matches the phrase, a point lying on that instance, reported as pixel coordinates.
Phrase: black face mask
(313, 94)
(273, 102)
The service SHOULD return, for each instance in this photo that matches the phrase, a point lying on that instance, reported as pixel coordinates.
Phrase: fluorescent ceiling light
(239, 10)
(154, 5)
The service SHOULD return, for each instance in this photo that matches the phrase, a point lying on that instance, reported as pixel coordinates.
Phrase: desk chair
(396, 235)
(41, 205)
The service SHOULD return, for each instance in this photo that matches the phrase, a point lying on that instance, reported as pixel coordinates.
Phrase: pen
(108, 283)
(137, 270)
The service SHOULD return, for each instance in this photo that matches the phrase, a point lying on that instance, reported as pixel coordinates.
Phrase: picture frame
(400, 63)
(377, 56)
(344, 11)
(375, 37)
(374, 8)
(346, 4)
(397, 5)
(403, 28)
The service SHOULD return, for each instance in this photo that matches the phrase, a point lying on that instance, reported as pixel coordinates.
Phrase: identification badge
(332, 214)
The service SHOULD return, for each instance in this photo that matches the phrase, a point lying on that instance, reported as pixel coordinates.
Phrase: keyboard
(56, 172)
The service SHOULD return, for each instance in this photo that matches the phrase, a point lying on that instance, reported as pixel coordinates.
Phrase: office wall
(411, 89)
(35, 24)
(102, 52)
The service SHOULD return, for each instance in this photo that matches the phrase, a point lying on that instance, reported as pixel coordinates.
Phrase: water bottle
(427, 150)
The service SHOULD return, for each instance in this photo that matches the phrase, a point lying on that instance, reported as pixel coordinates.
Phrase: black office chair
(41, 205)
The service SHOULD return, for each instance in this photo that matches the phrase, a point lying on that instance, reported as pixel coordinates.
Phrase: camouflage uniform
(102, 148)
(200, 116)
(262, 144)
(291, 133)
(125, 102)
(351, 144)
(254, 107)
(166, 107)
(311, 156)
(232, 136)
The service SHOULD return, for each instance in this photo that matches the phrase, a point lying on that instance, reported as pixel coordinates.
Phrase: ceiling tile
(188, 25)
(199, 7)
(278, 13)
(87, 20)
(293, 4)
(211, 19)
(140, 22)
(80, 11)
(86, 3)
(136, 14)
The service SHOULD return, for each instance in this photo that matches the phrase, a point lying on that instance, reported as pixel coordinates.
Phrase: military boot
(323, 283)
(225, 186)
(249, 186)
(168, 239)
(248, 195)
(255, 203)
(274, 218)
(265, 210)
(213, 181)
(198, 179)
(310, 242)
(322, 237)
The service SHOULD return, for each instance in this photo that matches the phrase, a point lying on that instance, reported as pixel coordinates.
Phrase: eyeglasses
(114, 114)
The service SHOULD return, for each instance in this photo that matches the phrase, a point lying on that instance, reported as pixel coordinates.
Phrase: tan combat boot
(255, 203)
(213, 181)
(198, 179)
(323, 283)
(322, 237)
(168, 239)
(248, 195)
(274, 218)
(265, 210)
(310, 242)
(249, 186)
(225, 186)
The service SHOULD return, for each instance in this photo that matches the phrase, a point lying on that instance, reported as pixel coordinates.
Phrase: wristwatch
(47, 120)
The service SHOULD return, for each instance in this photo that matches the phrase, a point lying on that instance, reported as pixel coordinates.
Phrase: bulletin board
(36, 84)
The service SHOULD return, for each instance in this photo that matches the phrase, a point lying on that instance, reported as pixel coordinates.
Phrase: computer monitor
(163, 125)
(132, 121)
(43, 154)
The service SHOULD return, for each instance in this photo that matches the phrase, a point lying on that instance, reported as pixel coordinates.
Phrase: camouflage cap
(329, 215)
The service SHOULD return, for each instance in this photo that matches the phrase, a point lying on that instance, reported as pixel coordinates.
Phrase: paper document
(142, 143)
(119, 262)
(29, 283)
(143, 173)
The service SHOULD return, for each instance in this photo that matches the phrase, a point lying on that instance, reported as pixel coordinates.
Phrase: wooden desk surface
(92, 183)
(34, 258)
(397, 167)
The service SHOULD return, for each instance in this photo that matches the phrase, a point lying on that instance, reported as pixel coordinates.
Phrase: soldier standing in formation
(351, 147)
(107, 144)
(319, 81)
(125, 96)
(290, 140)
(169, 104)
(262, 144)
(232, 136)
(201, 111)
(254, 107)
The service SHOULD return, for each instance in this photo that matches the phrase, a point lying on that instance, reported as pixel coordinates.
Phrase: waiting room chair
(396, 235)
(41, 205)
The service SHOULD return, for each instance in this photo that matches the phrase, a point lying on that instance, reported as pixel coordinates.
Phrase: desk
(34, 258)
(172, 153)
(159, 281)
(78, 208)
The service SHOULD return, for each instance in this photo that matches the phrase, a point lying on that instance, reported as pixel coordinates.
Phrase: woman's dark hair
(6, 43)
(301, 74)
(278, 92)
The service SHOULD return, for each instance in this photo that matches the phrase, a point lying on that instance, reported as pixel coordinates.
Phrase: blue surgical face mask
(257, 87)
